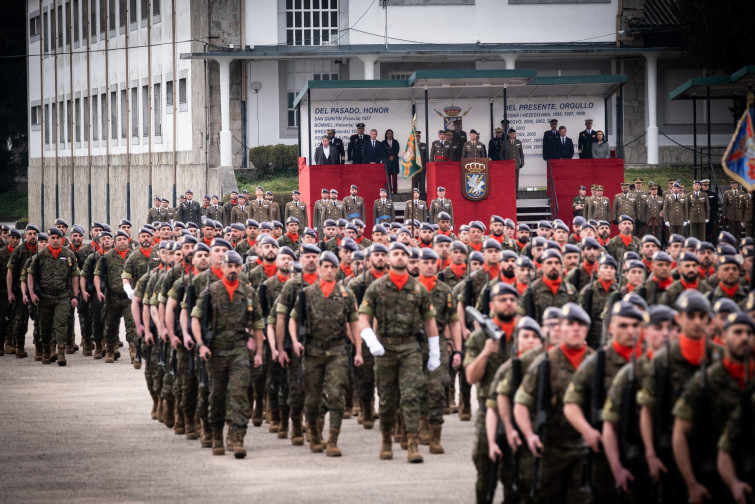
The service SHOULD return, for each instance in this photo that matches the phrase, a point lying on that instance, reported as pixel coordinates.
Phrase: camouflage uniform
(274, 375)
(579, 277)
(616, 247)
(675, 290)
(326, 362)
(739, 296)
(399, 370)
(560, 467)
(448, 277)
(16, 262)
(286, 241)
(109, 269)
(593, 299)
(81, 253)
(6, 326)
(149, 360)
(538, 297)
(95, 307)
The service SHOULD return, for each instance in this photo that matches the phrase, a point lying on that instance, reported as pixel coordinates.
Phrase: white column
(510, 60)
(651, 82)
(226, 157)
(369, 66)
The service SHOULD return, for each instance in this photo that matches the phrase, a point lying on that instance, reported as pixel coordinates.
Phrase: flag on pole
(739, 158)
(412, 160)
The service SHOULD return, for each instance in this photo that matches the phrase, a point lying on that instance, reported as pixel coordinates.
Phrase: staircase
(532, 206)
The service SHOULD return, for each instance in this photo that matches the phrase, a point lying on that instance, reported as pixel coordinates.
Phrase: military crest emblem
(475, 179)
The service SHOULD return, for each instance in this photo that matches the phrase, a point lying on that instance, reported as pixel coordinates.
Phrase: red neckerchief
(492, 271)
(510, 281)
(10, 249)
(75, 249)
(506, 327)
(230, 286)
(146, 252)
(477, 247)
(589, 268)
(693, 350)
(737, 371)
(293, 237)
(399, 280)
(499, 239)
(259, 261)
(428, 282)
(706, 273)
(359, 239)
(425, 245)
(252, 243)
(459, 269)
(577, 238)
(347, 270)
(602, 241)
(630, 288)
(445, 233)
(195, 271)
(623, 350)
(207, 205)
(33, 249)
(310, 278)
(729, 291)
(648, 264)
(553, 285)
(55, 252)
(206, 241)
(673, 265)
(122, 254)
(521, 243)
(718, 340)
(156, 240)
(327, 287)
(574, 355)
(640, 342)
(626, 239)
(218, 272)
(521, 287)
(281, 278)
(690, 285)
(377, 274)
(443, 263)
(649, 353)
(606, 285)
(663, 284)
(270, 269)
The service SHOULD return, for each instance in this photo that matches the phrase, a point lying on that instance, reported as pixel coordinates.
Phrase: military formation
(606, 368)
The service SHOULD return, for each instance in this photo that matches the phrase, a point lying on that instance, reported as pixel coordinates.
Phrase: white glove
(128, 290)
(433, 362)
(668, 224)
(707, 220)
(370, 338)
(743, 224)
(686, 223)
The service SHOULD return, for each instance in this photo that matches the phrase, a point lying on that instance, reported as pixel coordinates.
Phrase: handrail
(552, 191)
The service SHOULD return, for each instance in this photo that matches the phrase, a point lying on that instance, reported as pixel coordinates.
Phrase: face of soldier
(474, 266)
(661, 269)
(475, 235)
(413, 267)
(688, 271)
(648, 249)
(62, 228)
(55, 241)
(428, 267)
(464, 237)
(606, 272)
(552, 331)
(562, 132)
(404, 238)
(625, 330)
(328, 271)
(626, 228)
(570, 261)
(426, 236)
(552, 268)
(350, 233)
(444, 225)
(283, 263)
(674, 249)
(144, 240)
(492, 256)
(292, 228)
(268, 252)
(473, 137)
(728, 274)
(522, 235)
(310, 239)
(309, 263)
(523, 275)
(693, 324)
(457, 256)
(378, 261)
(604, 231)
(187, 251)
(333, 196)
(561, 235)
(738, 340)
(42, 244)
(165, 204)
(656, 335)
(357, 266)
(443, 250)
(398, 260)
(503, 307)
(330, 232)
(277, 232)
(344, 255)
(201, 260)
(325, 196)
(496, 228)
(165, 233)
(528, 340)
(121, 243)
(178, 257)
(216, 256)
(379, 238)
(30, 237)
(573, 333)
(635, 276)
(189, 196)
(587, 232)
(77, 239)
(228, 236)
(238, 235)
(231, 271)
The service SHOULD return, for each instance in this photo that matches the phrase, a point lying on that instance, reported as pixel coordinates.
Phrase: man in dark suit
(326, 154)
(564, 148)
(356, 142)
(372, 152)
(549, 141)
(586, 140)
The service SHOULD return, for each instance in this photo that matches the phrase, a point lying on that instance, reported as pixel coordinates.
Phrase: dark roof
(656, 14)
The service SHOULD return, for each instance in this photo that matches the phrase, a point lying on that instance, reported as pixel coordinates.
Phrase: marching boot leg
(297, 436)
(331, 447)
(217, 440)
(258, 412)
(283, 428)
(315, 443)
(98, 349)
(160, 410)
(465, 411)
(206, 439)
(275, 419)
(413, 455)
(169, 413)
(368, 419)
(424, 432)
(191, 427)
(238, 445)
(386, 447)
(180, 428)
(61, 354)
(46, 354)
(110, 353)
(435, 446)
(155, 403)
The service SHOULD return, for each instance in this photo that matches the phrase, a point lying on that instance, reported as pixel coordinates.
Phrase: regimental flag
(412, 160)
(739, 158)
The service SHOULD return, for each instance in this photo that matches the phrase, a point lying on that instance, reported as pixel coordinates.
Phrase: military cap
(477, 225)
(607, 259)
(492, 244)
(268, 193)
(652, 185)
(61, 222)
(296, 267)
(188, 238)
(626, 309)
(77, 229)
(15, 232)
(550, 244)
(201, 247)
(747, 252)
(441, 188)
(107, 233)
(426, 226)
(165, 200)
(414, 252)
(243, 196)
(179, 224)
(357, 256)
(496, 218)
(55, 231)
(553, 121)
(705, 181)
(725, 249)
(691, 301)
(473, 131)
(119, 233)
(400, 246)
(630, 256)
(32, 227)
(191, 225)
(143, 230)
(234, 191)
(676, 238)
(524, 262)
(509, 223)
(538, 241)
(441, 239)
(604, 223)
(458, 245)
(529, 324)
(226, 229)
(277, 224)
(232, 257)
(220, 242)
(662, 256)
(165, 224)
(579, 221)
(428, 254)
(252, 223)
(358, 223)
(676, 184)
(292, 220)
(593, 186)
(333, 191)
(727, 259)
(151, 227)
(310, 232)
(237, 226)
(95, 224)
(725, 305)
(512, 130)
(704, 245)
(323, 191)
(739, 319)
(688, 257)
(727, 237)
(746, 241)
(349, 244)
(569, 248)
(523, 227)
(508, 254)
(360, 125)
(624, 184)
(42, 237)
(624, 218)
(444, 216)
(575, 313)
(106, 227)
(398, 225)
(463, 227)
(258, 188)
(186, 232)
(648, 238)
(550, 254)
(404, 230)
(544, 224)
(329, 257)
(287, 251)
(352, 227)
(378, 247)
(308, 248)
(498, 129)
(206, 196)
(378, 228)
(125, 222)
(383, 190)
(503, 289)
(476, 257)
(562, 226)
(634, 263)
(599, 187)
(658, 314)
(266, 239)
(218, 225)
(552, 313)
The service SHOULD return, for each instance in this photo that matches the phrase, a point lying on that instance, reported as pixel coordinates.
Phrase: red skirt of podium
(569, 174)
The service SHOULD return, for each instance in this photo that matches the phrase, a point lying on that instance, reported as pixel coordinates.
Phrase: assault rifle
(541, 413)
(702, 461)
(597, 393)
(207, 336)
(303, 328)
(516, 381)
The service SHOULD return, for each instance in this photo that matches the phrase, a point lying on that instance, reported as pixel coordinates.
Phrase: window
(85, 126)
(145, 111)
(291, 111)
(132, 14)
(60, 25)
(34, 27)
(68, 21)
(400, 76)
(134, 112)
(36, 115)
(103, 15)
(298, 72)
(311, 22)
(145, 9)
(157, 112)
(95, 117)
(77, 121)
(47, 124)
(182, 91)
(114, 115)
(93, 17)
(46, 33)
(155, 7)
(122, 14)
(103, 115)
(75, 7)
(54, 122)
(124, 114)
(111, 15)
(69, 120)
(169, 96)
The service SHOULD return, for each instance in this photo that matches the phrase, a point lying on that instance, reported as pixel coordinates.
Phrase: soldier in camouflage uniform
(292, 238)
(82, 252)
(548, 290)
(727, 273)
(593, 298)
(397, 301)
(688, 265)
(6, 325)
(33, 311)
(455, 272)
(235, 315)
(583, 405)
(582, 275)
(136, 265)
(624, 241)
(16, 262)
(560, 466)
(323, 310)
(659, 281)
(102, 243)
(55, 270)
(482, 358)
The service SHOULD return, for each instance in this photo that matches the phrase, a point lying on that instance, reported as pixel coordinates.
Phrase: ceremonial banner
(739, 158)
(475, 178)
(411, 160)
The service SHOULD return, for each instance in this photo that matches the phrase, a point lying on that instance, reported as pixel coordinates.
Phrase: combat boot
(465, 411)
(98, 349)
(386, 448)
(169, 413)
(109, 356)
(424, 432)
(18, 348)
(155, 402)
(331, 447)
(46, 354)
(217, 441)
(37, 353)
(398, 428)
(191, 427)
(238, 445)
(116, 352)
(205, 440)
(275, 420)
(297, 436)
(348, 405)
(180, 428)
(160, 410)
(413, 455)
(61, 355)
(69, 349)
(368, 421)
(320, 426)
(435, 446)
(132, 351)
(10, 348)
(360, 415)
(315, 441)
(229, 438)
(257, 414)
(283, 428)
(87, 347)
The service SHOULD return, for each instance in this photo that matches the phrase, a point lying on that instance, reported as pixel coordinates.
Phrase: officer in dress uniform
(713, 205)
(382, 209)
(579, 202)
(338, 144)
(439, 150)
(416, 208)
(730, 208)
(511, 148)
(675, 210)
(473, 148)
(550, 138)
(188, 210)
(355, 145)
(587, 138)
(441, 204)
(495, 144)
(296, 208)
(698, 210)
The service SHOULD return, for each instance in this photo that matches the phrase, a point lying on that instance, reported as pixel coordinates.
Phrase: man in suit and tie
(356, 144)
(564, 146)
(372, 151)
(549, 141)
(326, 154)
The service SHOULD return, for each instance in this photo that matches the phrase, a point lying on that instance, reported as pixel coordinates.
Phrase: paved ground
(82, 433)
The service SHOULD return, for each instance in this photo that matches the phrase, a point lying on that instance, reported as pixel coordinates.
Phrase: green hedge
(278, 159)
